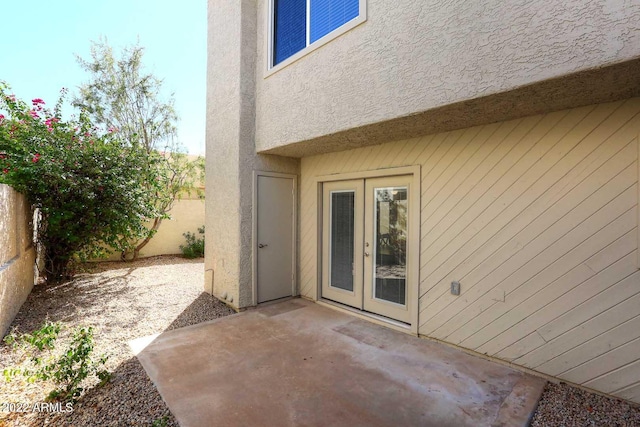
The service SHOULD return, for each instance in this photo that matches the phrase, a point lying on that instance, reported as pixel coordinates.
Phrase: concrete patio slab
(297, 363)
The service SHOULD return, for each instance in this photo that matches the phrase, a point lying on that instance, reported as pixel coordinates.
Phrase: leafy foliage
(122, 95)
(92, 189)
(161, 422)
(43, 338)
(195, 245)
(67, 371)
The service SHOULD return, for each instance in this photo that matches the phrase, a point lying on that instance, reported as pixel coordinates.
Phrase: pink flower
(112, 129)
(36, 158)
(11, 98)
(37, 101)
(1, 118)
(49, 122)
(5, 171)
(34, 114)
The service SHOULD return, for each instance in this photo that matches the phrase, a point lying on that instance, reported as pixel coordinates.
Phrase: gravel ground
(122, 301)
(563, 405)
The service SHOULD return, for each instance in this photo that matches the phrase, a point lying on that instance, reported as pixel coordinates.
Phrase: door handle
(366, 254)
(260, 245)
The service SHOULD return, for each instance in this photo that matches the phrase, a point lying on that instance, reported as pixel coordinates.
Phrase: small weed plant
(195, 245)
(161, 422)
(67, 370)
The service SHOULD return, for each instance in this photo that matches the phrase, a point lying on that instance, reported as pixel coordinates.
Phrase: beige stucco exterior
(523, 120)
(414, 67)
(187, 215)
(17, 254)
(231, 154)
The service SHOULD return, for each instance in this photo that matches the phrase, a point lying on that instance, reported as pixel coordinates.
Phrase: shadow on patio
(298, 363)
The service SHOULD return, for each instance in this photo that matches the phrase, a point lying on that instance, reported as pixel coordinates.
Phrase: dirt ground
(121, 301)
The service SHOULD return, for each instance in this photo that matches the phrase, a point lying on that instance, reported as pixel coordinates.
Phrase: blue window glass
(290, 28)
(327, 15)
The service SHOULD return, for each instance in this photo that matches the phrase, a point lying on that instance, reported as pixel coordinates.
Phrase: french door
(365, 242)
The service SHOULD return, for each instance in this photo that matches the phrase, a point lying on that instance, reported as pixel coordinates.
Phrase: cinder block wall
(17, 254)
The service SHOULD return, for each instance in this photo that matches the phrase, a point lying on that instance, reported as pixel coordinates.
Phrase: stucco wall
(538, 220)
(186, 215)
(17, 255)
(414, 56)
(231, 154)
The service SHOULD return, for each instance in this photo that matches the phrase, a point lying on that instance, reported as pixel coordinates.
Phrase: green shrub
(40, 339)
(161, 422)
(92, 188)
(195, 245)
(66, 371)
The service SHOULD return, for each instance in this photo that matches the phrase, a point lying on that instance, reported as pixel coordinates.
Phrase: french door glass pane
(390, 272)
(342, 239)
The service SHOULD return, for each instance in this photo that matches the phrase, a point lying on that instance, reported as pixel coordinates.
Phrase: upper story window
(298, 26)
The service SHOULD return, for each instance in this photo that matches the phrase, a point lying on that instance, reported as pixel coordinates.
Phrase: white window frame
(362, 17)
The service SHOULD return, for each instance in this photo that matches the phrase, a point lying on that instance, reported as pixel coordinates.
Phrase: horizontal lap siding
(537, 218)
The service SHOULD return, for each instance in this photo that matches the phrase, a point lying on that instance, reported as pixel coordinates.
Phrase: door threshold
(275, 301)
(371, 317)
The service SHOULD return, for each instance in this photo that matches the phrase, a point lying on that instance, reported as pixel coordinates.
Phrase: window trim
(271, 69)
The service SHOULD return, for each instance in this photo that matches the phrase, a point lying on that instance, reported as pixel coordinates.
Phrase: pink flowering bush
(93, 190)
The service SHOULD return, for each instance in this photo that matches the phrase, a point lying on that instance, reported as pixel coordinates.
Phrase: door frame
(254, 232)
(413, 260)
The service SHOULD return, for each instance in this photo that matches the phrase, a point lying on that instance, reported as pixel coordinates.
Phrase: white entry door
(275, 234)
(365, 240)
